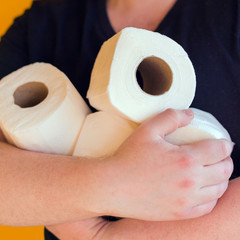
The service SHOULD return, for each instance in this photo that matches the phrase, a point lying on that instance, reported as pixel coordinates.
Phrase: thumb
(168, 121)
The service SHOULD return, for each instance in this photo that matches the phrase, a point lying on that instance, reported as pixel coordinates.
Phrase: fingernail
(188, 112)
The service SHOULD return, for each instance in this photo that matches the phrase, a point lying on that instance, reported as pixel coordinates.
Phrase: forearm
(42, 189)
(52, 189)
(222, 223)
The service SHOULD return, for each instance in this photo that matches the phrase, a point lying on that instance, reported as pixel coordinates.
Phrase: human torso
(70, 35)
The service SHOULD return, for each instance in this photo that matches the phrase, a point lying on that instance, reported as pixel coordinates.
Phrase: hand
(152, 179)
(222, 224)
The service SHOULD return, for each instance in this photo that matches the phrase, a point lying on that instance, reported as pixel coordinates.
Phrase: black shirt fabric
(69, 34)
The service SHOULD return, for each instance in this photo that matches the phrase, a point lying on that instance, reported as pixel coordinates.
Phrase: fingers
(218, 172)
(213, 192)
(202, 209)
(210, 151)
(167, 122)
(197, 211)
(207, 198)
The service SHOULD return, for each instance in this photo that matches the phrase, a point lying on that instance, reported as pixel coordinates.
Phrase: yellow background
(9, 9)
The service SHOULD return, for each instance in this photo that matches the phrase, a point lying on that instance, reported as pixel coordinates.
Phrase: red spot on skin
(184, 162)
(186, 184)
(181, 202)
(178, 215)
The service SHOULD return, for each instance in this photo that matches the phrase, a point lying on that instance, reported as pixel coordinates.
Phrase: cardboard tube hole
(154, 76)
(30, 94)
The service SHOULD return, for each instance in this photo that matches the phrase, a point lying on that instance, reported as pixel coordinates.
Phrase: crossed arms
(147, 179)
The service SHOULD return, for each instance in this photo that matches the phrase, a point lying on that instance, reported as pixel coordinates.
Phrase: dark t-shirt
(69, 34)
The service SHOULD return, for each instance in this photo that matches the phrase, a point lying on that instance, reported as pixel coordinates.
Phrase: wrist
(101, 200)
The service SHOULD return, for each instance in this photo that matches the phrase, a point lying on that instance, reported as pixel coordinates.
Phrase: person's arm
(147, 179)
(222, 223)
(39, 189)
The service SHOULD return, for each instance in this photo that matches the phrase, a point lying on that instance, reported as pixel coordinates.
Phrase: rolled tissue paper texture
(40, 110)
(203, 126)
(167, 74)
(102, 134)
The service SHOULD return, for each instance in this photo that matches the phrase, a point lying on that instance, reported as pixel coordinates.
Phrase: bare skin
(123, 14)
(97, 227)
(52, 189)
(222, 223)
(140, 14)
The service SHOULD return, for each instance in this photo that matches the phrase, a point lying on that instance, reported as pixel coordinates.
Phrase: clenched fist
(151, 179)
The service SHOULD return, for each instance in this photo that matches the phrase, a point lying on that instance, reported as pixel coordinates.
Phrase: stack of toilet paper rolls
(40, 110)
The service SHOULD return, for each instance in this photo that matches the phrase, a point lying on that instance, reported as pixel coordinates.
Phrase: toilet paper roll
(40, 110)
(167, 74)
(102, 134)
(203, 126)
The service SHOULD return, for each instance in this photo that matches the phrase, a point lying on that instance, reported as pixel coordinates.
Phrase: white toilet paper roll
(203, 126)
(40, 110)
(167, 73)
(102, 134)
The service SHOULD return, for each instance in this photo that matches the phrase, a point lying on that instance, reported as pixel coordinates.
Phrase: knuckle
(181, 214)
(199, 212)
(186, 184)
(186, 160)
(172, 116)
(203, 209)
(146, 129)
(209, 209)
(182, 202)
(223, 148)
(230, 166)
(227, 173)
(227, 168)
(171, 112)
(221, 188)
(219, 192)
